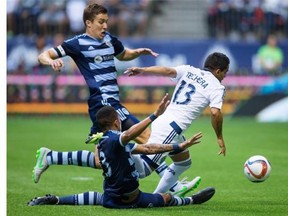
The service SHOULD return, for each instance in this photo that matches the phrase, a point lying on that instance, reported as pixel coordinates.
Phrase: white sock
(171, 175)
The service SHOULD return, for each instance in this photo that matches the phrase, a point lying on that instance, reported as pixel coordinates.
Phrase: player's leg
(94, 129)
(160, 200)
(198, 198)
(87, 198)
(166, 131)
(181, 162)
(46, 157)
(145, 166)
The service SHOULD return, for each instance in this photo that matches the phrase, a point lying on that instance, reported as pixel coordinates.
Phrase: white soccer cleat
(41, 163)
(187, 187)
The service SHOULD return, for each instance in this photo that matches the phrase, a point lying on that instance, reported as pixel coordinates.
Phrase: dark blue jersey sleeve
(118, 46)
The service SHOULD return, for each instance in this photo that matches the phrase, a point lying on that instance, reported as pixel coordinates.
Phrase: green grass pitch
(235, 195)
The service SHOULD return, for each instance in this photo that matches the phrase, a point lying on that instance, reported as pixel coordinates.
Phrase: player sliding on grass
(46, 157)
(196, 89)
(121, 185)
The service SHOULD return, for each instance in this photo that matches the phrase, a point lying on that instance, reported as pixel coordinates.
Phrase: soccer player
(46, 157)
(93, 53)
(195, 90)
(121, 185)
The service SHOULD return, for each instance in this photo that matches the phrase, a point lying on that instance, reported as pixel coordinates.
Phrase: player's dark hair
(105, 117)
(92, 10)
(216, 60)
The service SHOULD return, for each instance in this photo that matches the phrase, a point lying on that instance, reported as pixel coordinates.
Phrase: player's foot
(41, 163)
(45, 200)
(94, 138)
(203, 195)
(187, 187)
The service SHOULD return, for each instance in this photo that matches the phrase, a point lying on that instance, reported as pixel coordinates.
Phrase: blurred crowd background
(33, 25)
(253, 33)
(230, 19)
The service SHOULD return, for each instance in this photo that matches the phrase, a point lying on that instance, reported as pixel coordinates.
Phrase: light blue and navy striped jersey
(95, 60)
(118, 166)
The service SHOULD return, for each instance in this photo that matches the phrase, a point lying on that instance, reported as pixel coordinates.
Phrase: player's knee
(184, 163)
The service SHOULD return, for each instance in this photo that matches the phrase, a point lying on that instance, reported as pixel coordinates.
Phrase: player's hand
(222, 146)
(146, 51)
(57, 64)
(133, 71)
(195, 139)
(162, 106)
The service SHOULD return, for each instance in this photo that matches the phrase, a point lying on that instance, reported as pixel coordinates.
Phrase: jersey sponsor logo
(98, 59)
(102, 58)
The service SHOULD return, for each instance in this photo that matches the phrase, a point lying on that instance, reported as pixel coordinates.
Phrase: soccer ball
(257, 168)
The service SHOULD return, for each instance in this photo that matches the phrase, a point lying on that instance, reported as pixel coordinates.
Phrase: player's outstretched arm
(138, 128)
(160, 148)
(153, 70)
(49, 57)
(130, 54)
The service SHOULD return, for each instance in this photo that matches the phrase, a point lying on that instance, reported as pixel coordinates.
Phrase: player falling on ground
(196, 89)
(46, 157)
(121, 185)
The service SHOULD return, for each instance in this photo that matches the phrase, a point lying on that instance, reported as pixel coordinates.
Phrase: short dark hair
(216, 60)
(105, 117)
(92, 10)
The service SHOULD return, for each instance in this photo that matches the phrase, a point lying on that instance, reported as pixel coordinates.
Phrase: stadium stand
(182, 31)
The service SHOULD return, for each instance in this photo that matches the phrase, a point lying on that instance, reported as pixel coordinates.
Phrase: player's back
(118, 167)
(196, 89)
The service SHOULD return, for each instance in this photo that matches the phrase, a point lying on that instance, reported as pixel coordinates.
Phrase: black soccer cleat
(203, 195)
(45, 200)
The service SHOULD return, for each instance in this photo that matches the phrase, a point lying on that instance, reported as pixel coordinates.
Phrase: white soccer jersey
(195, 90)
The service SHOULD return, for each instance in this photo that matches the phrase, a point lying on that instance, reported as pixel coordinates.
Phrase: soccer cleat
(45, 200)
(41, 163)
(203, 195)
(94, 138)
(187, 187)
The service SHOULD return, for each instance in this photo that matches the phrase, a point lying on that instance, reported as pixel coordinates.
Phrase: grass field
(235, 195)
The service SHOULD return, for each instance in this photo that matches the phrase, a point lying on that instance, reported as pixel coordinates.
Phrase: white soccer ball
(257, 168)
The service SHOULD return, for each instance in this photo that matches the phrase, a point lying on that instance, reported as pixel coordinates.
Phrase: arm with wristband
(138, 128)
(153, 148)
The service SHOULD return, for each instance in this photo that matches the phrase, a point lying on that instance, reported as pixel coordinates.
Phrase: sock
(161, 169)
(78, 158)
(171, 175)
(177, 201)
(87, 198)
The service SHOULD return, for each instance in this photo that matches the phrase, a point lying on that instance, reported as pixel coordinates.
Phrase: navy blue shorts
(144, 200)
(126, 117)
